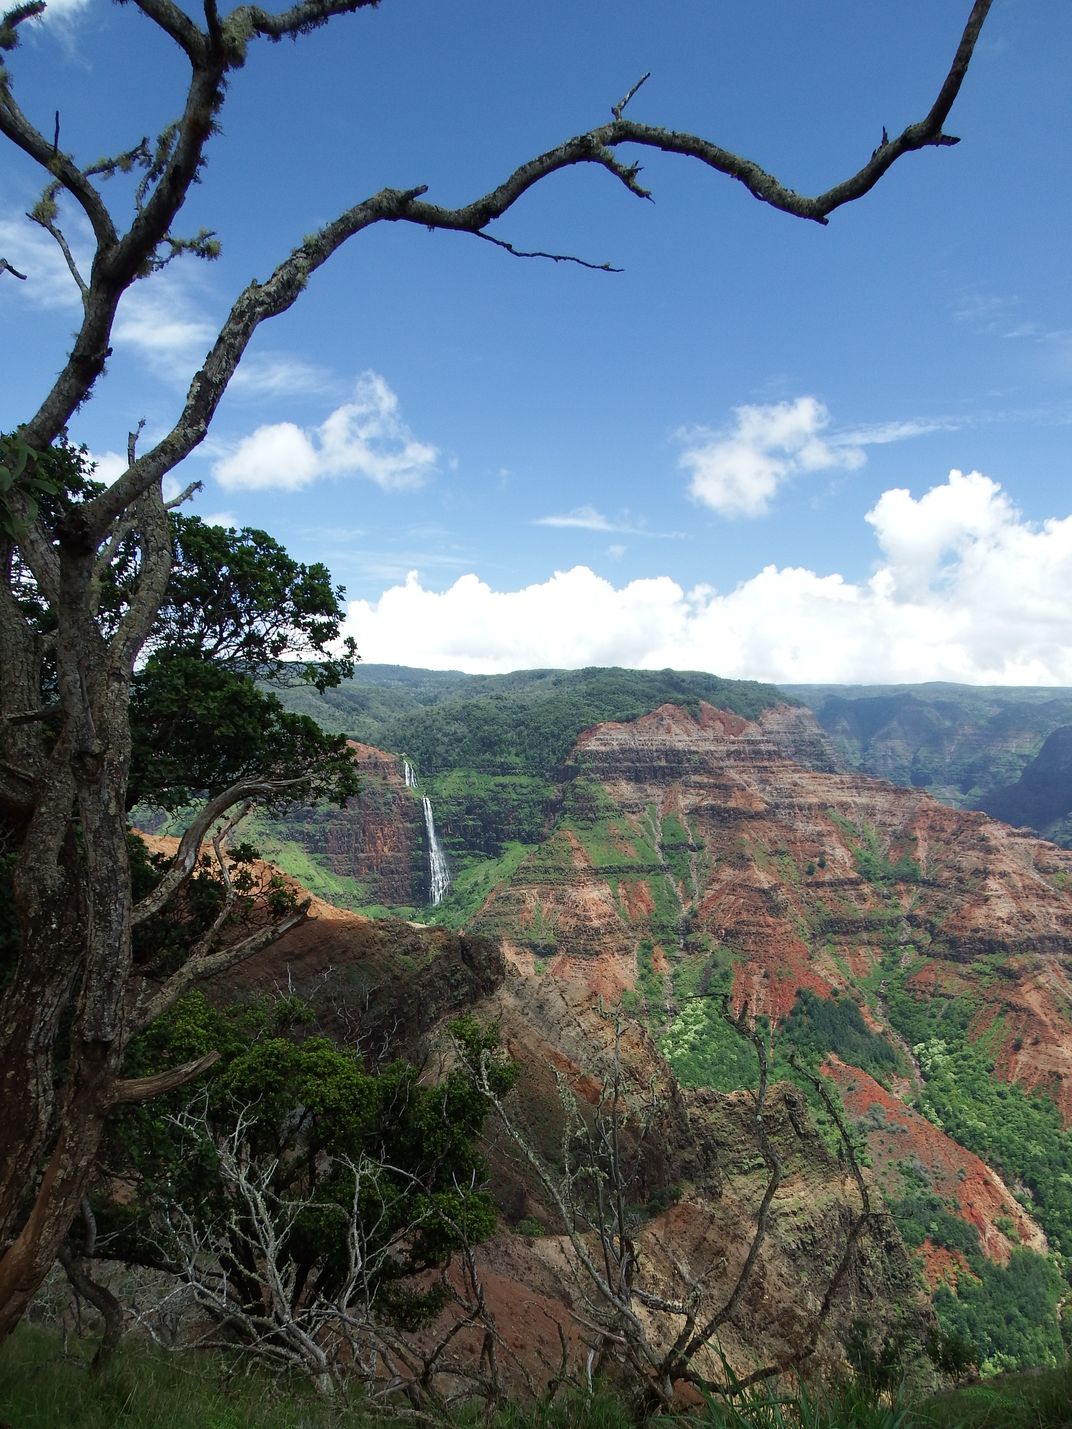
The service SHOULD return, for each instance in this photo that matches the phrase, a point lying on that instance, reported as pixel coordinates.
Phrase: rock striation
(377, 839)
(694, 854)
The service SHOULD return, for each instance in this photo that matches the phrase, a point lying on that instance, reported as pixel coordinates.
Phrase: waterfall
(438, 872)
(437, 863)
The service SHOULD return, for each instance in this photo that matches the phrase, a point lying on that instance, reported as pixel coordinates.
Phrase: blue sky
(734, 455)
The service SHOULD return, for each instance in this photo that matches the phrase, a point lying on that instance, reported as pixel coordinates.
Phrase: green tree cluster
(331, 1143)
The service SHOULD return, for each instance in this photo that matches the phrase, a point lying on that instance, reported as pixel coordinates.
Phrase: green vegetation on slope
(818, 1025)
(1008, 1312)
(474, 879)
(488, 749)
(525, 722)
(1018, 1133)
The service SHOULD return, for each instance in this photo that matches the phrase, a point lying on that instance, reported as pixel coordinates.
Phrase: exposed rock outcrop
(377, 838)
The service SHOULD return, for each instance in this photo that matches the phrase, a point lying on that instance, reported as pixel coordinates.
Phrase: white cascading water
(437, 862)
(408, 774)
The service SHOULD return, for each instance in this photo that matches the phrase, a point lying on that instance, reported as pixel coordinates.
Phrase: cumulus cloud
(364, 437)
(108, 466)
(737, 472)
(964, 589)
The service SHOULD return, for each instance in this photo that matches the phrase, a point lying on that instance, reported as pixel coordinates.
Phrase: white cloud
(63, 10)
(364, 437)
(48, 282)
(738, 472)
(965, 589)
(277, 455)
(163, 322)
(108, 466)
(274, 374)
(931, 542)
(587, 518)
(885, 432)
(581, 518)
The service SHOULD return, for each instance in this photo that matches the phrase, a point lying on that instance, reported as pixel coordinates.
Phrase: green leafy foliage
(24, 473)
(1018, 1133)
(199, 727)
(237, 610)
(311, 1116)
(1007, 1312)
(817, 1025)
(236, 597)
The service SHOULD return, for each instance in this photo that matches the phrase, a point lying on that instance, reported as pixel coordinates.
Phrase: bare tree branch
(209, 963)
(44, 215)
(618, 109)
(176, 23)
(143, 1089)
(554, 257)
(262, 301)
(185, 859)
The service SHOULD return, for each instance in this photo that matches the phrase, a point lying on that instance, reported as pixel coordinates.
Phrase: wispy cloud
(883, 433)
(48, 283)
(587, 518)
(363, 437)
(63, 10)
(278, 374)
(1002, 316)
(164, 322)
(985, 310)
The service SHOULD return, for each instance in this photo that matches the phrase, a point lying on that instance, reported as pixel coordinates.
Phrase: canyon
(919, 954)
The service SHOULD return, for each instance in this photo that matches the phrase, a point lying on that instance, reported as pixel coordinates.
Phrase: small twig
(183, 496)
(5, 267)
(554, 257)
(132, 441)
(618, 109)
(44, 217)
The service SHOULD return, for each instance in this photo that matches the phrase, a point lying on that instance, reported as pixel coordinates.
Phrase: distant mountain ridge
(1042, 796)
(968, 745)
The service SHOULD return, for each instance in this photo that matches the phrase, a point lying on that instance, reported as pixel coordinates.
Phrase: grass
(44, 1385)
(1032, 1400)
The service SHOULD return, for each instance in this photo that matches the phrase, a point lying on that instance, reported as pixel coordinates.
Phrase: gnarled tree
(73, 631)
